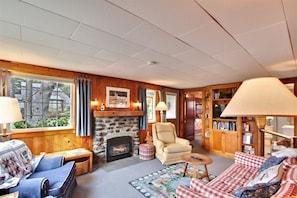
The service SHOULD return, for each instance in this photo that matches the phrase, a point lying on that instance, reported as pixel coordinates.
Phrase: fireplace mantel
(117, 113)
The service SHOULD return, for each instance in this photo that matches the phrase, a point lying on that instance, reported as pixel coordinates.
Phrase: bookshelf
(249, 131)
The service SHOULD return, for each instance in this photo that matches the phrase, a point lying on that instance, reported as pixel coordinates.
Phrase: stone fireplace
(122, 132)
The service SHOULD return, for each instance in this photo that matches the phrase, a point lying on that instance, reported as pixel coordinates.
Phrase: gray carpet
(111, 179)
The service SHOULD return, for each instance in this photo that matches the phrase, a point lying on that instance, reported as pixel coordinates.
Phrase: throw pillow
(285, 152)
(271, 174)
(264, 190)
(271, 161)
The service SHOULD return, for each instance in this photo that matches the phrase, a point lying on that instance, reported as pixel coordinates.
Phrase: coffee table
(196, 159)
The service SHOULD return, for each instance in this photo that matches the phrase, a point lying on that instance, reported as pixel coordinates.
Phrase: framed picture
(117, 97)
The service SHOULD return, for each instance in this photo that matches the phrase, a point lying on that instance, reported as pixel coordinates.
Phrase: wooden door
(190, 117)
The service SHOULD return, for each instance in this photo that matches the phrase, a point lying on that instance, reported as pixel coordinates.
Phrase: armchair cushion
(165, 133)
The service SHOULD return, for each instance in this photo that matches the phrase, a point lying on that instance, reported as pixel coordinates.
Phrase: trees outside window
(43, 103)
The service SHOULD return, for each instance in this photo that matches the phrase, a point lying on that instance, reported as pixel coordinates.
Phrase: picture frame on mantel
(117, 97)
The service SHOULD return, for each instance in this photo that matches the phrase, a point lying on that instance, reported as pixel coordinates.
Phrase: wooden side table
(79, 155)
(196, 159)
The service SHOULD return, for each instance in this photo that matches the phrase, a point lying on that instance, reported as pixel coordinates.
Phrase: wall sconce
(94, 104)
(136, 105)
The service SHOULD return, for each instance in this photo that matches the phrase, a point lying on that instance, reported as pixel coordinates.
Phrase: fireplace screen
(118, 148)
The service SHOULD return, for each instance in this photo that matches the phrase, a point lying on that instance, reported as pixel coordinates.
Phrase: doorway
(193, 115)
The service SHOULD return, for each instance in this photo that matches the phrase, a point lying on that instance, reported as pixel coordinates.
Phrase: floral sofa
(34, 177)
(248, 176)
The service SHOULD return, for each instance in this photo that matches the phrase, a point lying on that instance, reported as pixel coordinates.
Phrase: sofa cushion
(269, 175)
(177, 148)
(262, 190)
(271, 161)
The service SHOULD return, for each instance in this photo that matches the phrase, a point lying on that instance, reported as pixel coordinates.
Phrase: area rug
(163, 183)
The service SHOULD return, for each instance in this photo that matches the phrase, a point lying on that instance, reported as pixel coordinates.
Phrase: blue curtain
(83, 107)
(143, 122)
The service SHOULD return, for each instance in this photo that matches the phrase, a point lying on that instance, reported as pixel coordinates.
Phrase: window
(44, 103)
(151, 104)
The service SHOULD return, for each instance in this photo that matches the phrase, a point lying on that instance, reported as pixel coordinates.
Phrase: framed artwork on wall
(117, 97)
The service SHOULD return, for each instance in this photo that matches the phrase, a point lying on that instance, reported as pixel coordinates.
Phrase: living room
(172, 48)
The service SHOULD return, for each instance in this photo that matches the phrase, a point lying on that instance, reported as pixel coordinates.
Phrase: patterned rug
(163, 183)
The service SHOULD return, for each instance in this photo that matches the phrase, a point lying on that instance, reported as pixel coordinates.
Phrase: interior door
(190, 117)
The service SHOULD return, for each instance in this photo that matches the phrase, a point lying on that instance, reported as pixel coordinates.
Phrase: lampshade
(266, 96)
(9, 110)
(161, 106)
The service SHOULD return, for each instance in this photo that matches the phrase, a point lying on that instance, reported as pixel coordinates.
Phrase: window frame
(56, 80)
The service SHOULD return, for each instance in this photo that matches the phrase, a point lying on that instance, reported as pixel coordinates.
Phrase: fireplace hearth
(118, 148)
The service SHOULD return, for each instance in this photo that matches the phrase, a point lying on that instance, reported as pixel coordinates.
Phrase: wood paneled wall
(58, 140)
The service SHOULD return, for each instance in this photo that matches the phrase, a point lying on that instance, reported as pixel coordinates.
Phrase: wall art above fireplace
(117, 97)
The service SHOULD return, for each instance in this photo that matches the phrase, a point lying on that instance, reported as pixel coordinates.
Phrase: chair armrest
(158, 144)
(182, 141)
(33, 188)
(49, 163)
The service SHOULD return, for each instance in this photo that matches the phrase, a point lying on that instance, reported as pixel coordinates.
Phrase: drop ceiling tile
(117, 57)
(268, 45)
(10, 30)
(239, 16)
(196, 57)
(241, 61)
(187, 15)
(290, 7)
(151, 37)
(150, 55)
(30, 16)
(99, 14)
(45, 39)
(211, 39)
(94, 37)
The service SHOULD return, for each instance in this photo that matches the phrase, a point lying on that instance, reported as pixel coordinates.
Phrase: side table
(196, 159)
(146, 151)
(83, 159)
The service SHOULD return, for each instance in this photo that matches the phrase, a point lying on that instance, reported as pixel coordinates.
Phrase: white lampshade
(161, 106)
(9, 110)
(266, 96)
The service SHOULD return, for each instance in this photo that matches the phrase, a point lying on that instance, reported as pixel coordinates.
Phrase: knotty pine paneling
(52, 141)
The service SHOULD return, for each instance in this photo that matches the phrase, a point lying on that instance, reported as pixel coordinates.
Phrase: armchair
(169, 147)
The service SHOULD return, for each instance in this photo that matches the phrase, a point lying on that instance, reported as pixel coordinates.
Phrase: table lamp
(261, 97)
(161, 106)
(9, 112)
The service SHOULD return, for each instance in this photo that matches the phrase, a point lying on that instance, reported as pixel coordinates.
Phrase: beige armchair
(169, 147)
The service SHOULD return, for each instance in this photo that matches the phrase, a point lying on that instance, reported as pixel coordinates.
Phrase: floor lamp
(261, 97)
(9, 112)
(161, 106)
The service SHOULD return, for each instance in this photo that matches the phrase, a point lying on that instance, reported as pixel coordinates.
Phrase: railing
(291, 138)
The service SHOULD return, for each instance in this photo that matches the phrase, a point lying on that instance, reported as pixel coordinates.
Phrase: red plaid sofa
(244, 169)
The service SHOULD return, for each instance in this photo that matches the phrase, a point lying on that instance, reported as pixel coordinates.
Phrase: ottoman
(146, 151)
